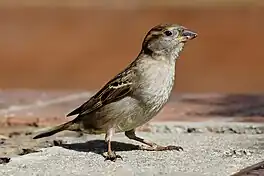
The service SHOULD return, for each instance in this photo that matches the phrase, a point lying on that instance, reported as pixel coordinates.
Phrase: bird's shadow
(99, 146)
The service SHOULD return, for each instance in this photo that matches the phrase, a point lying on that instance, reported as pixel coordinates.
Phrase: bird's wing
(114, 90)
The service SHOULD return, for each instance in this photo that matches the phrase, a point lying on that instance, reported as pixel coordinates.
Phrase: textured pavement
(214, 141)
(212, 148)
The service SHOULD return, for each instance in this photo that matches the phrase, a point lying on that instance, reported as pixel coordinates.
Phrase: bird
(135, 95)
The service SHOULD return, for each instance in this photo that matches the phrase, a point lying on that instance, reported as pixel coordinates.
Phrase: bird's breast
(155, 84)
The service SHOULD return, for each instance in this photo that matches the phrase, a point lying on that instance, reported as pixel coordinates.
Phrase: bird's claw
(173, 147)
(161, 148)
(112, 156)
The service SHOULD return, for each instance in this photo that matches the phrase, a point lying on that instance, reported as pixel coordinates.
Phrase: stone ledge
(37, 108)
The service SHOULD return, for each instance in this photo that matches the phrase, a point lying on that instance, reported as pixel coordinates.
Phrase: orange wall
(81, 48)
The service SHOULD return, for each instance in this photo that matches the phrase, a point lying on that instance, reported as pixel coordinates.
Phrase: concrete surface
(211, 148)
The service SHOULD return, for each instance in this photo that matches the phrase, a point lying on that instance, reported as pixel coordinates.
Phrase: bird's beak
(189, 35)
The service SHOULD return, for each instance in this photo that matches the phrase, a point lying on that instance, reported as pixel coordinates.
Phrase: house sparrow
(135, 95)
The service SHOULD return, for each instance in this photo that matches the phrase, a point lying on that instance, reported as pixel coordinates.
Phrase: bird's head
(167, 39)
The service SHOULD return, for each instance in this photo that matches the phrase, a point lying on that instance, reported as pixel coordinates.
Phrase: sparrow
(136, 94)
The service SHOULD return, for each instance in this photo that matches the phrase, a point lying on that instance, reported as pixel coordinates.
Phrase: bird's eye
(168, 33)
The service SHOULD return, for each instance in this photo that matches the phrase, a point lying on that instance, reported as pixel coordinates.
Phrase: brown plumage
(136, 94)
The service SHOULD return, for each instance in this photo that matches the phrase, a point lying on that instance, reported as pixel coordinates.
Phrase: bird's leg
(151, 146)
(110, 155)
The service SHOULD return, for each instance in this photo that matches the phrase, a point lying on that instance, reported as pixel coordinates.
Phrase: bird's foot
(112, 156)
(160, 148)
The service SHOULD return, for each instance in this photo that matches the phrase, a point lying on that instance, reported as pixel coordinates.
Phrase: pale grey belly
(123, 115)
(136, 115)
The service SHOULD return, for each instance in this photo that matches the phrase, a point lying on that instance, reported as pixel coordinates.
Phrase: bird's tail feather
(54, 130)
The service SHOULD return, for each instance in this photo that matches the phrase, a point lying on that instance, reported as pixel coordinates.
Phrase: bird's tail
(54, 130)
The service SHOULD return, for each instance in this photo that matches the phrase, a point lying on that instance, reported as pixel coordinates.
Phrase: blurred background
(81, 44)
